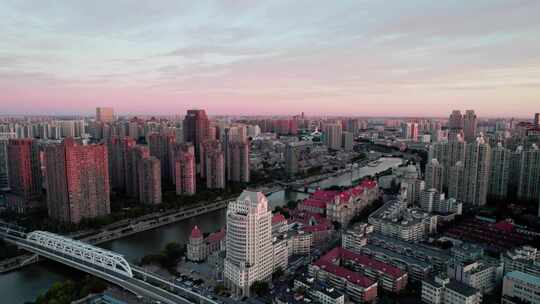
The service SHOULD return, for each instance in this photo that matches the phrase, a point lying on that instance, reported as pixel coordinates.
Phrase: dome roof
(196, 233)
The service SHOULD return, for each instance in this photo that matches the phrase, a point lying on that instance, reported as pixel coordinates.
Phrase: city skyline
(230, 57)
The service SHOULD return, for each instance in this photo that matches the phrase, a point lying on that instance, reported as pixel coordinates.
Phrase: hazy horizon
(348, 58)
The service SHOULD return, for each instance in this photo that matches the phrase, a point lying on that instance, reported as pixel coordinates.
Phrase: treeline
(167, 258)
(69, 291)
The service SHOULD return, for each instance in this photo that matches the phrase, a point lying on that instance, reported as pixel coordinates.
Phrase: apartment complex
(77, 181)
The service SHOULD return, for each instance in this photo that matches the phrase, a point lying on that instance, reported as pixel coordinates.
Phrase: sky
(359, 57)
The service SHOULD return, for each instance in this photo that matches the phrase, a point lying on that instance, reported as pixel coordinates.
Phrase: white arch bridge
(102, 263)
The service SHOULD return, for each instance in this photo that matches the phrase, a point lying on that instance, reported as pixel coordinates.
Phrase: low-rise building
(389, 278)
(433, 201)
(469, 266)
(315, 224)
(524, 259)
(520, 287)
(436, 257)
(341, 206)
(443, 290)
(396, 220)
(299, 242)
(356, 238)
(199, 248)
(357, 287)
(279, 224)
(320, 293)
(281, 252)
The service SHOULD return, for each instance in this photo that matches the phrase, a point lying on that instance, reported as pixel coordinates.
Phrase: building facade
(24, 171)
(215, 169)
(184, 168)
(133, 162)
(105, 114)
(434, 176)
(150, 180)
(77, 181)
(249, 242)
(443, 290)
(500, 172)
(196, 128)
(332, 136)
(160, 146)
(520, 287)
(118, 149)
(238, 161)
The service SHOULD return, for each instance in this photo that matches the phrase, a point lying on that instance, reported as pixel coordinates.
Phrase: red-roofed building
(199, 248)
(196, 233)
(312, 205)
(505, 226)
(350, 202)
(314, 223)
(389, 277)
(341, 206)
(358, 287)
(279, 223)
(196, 250)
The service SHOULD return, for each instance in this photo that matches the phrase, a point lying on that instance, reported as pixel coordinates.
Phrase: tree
(260, 288)
(174, 251)
(277, 273)
(292, 204)
(69, 291)
(337, 225)
(220, 289)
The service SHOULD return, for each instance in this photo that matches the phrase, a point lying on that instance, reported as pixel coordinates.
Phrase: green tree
(277, 273)
(220, 289)
(260, 288)
(292, 204)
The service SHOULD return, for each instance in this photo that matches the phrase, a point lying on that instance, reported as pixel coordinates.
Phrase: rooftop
(351, 276)
(196, 233)
(216, 236)
(525, 277)
(366, 261)
(409, 260)
(453, 285)
(277, 218)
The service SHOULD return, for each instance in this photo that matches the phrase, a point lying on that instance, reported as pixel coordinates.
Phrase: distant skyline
(369, 58)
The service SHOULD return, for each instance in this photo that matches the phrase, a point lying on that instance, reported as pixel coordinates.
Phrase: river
(27, 283)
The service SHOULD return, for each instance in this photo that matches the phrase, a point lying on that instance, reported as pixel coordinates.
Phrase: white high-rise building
(249, 242)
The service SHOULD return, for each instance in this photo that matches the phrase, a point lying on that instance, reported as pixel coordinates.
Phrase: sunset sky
(403, 58)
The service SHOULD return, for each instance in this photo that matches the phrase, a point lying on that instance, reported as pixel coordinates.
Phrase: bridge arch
(82, 251)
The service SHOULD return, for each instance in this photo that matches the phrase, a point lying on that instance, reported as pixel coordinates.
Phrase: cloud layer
(271, 57)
